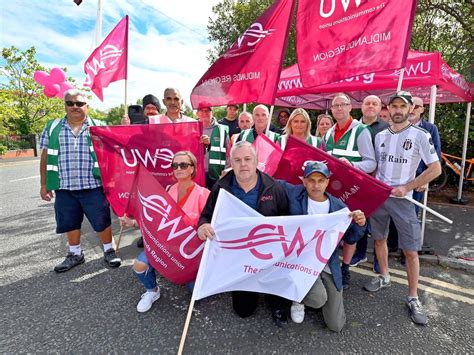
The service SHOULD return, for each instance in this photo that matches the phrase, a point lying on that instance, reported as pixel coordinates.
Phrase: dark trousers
(245, 303)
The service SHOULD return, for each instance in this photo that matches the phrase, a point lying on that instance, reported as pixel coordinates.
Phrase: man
(69, 167)
(384, 115)
(261, 117)
(263, 194)
(371, 107)
(216, 141)
(282, 119)
(173, 102)
(151, 107)
(245, 122)
(312, 198)
(351, 142)
(231, 119)
(399, 151)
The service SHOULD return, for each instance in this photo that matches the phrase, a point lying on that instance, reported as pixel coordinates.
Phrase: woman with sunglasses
(191, 198)
(298, 126)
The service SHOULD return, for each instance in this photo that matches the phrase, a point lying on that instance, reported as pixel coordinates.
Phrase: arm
(432, 171)
(45, 195)
(205, 230)
(366, 151)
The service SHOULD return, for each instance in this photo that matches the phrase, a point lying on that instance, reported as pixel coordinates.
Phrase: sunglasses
(182, 166)
(77, 103)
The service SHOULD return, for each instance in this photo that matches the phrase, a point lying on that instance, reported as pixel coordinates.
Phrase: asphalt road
(92, 309)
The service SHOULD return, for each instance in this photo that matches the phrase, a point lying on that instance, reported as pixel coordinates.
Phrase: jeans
(148, 277)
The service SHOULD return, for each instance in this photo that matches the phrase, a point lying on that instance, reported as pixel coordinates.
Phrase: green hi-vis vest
(346, 147)
(52, 168)
(247, 135)
(311, 140)
(217, 151)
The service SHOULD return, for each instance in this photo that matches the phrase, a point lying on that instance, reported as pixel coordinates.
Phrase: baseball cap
(316, 167)
(204, 105)
(404, 95)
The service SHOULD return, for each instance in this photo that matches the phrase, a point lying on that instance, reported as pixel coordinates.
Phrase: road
(92, 308)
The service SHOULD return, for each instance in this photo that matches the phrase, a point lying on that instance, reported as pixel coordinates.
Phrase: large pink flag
(268, 154)
(121, 149)
(108, 62)
(355, 188)
(171, 242)
(341, 39)
(249, 70)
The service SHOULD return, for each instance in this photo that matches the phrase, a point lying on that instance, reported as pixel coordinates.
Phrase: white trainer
(147, 300)
(297, 312)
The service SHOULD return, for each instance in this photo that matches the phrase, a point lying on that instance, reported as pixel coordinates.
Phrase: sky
(167, 40)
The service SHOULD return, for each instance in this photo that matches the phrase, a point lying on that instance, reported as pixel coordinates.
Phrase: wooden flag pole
(119, 239)
(186, 326)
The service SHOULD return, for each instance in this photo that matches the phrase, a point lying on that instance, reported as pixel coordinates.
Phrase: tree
(25, 109)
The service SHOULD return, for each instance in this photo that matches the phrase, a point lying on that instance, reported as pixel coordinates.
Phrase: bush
(3, 149)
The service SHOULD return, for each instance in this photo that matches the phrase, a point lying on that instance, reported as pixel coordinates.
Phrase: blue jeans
(148, 277)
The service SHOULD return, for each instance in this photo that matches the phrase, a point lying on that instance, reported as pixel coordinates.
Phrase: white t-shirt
(398, 154)
(315, 207)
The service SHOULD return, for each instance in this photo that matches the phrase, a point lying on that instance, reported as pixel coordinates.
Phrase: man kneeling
(312, 198)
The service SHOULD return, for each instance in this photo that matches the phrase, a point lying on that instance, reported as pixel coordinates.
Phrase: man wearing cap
(231, 120)
(351, 142)
(312, 198)
(215, 139)
(399, 150)
(260, 118)
(151, 107)
(260, 192)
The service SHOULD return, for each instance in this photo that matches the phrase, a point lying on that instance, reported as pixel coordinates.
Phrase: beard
(399, 118)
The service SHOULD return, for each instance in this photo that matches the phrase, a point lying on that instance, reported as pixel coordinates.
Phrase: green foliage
(3, 149)
(24, 107)
(115, 114)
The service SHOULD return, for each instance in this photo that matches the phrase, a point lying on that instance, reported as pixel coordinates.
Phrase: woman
(191, 198)
(298, 126)
(323, 123)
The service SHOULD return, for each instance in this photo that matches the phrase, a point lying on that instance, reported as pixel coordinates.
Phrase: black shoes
(70, 261)
(346, 276)
(280, 318)
(111, 258)
(140, 242)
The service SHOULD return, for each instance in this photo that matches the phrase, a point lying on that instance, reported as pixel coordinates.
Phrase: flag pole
(98, 24)
(186, 327)
(419, 204)
(126, 76)
(269, 119)
(400, 79)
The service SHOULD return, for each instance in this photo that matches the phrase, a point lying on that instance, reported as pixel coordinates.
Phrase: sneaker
(376, 267)
(70, 261)
(111, 258)
(147, 300)
(280, 318)
(297, 312)
(357, 259)
(140, 242)
(346, 276)
(417, 313)
(376, 284)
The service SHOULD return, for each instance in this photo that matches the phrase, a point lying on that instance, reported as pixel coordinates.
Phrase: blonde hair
(298, 112)
(320, 117)
(191, 157)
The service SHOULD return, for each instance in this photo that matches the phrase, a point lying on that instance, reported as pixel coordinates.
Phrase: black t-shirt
(233, 125)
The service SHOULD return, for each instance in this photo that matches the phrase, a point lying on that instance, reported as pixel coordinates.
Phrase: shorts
(71, 205)
(404, 217)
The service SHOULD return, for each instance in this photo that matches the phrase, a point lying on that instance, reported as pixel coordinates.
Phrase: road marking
(440, 283)
(26, 178)
(8, 164)
(421, 287)
(89, 276)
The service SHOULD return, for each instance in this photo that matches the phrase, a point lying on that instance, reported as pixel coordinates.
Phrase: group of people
(390, 150)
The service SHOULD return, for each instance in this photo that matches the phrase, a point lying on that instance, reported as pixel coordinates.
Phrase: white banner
(277, 255)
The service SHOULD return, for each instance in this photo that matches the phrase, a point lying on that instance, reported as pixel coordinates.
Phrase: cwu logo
(108, 57)
(254, 34)
(323, 7)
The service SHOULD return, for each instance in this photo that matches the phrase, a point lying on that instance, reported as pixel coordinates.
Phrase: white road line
(435, 282)
(26, 178)
(89, 276)
(421, 287)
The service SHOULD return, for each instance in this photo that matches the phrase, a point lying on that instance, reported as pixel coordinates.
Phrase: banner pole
(119, 239)
(269, 119)
(400, 79)
(186, 326)
(245, 107)
(437, 214)
(464, 150)
(126, 85)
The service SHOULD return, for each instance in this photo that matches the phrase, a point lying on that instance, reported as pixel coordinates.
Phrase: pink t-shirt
(195, 201)
(165, 119)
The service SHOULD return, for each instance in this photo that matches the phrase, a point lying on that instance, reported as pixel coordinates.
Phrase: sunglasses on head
(77, 103)
(182, 166)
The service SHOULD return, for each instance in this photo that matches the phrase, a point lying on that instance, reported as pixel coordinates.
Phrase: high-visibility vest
(312, 140)
(217, 151)
(346, 146)
(53, 128)
(247, 135)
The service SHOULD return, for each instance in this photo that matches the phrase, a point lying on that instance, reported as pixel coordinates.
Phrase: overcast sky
(167, 40)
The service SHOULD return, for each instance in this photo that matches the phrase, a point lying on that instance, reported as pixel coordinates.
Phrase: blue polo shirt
(249, 198)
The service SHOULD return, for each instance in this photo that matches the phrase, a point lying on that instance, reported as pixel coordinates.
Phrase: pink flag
(355, 188)
(249, 70)
(268, 154)
(171, 243)
(121, 149)
(342, 39)
(108, 62)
